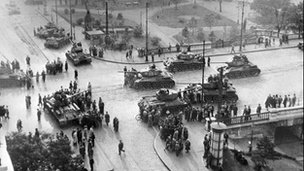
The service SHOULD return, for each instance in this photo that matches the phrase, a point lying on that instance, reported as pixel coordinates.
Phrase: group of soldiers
(276, 101)
(94, 51)
(55, 67)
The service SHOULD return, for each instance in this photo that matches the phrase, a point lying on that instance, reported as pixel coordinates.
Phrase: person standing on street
(76, 74)
(208, 60)
(120, 147)
(39, 100)
(92, 163)
(107, 118)
(43, 75)
(38, 114)
(37, 77)
(258, 110)
(66, 66)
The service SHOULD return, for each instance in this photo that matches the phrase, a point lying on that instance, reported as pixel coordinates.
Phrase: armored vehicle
(10, 79)
(77, 56)
(162, 102)
(185, 61)
(50, 30)
(240, 67)
(56, 43)
(211, 91)
(149, 78)
(63, 106)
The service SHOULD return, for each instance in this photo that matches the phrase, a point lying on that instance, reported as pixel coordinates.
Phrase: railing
(246, 119)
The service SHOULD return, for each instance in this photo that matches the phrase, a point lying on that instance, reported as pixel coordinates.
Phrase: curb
(211, 55)
(154, 147)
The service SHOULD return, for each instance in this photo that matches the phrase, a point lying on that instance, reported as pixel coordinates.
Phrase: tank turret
(166, 95)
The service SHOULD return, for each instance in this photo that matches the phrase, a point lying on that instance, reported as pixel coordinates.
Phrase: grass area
(102, 18)
(124, 4)
(180, 17)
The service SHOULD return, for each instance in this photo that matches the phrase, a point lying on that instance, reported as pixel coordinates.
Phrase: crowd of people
(55, 67)
(277, 101)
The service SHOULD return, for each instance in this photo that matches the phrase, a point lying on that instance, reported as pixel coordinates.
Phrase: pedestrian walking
(28, 60)
(43, 75)
(66, 66)
(232, 49)
(120, 147)
(107, 118)
(152, 56)
(37, 77)
(127, 55)
(208, 61)
(38, 114)
(101, 106)
(115, 124)
(39, 100)
(76, 74)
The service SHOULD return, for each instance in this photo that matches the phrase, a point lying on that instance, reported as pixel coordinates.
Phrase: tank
(211, 91)
(240, 67)
(9, 78)
(56, 43)
(63, 107)
(185, 61)
(50, 30)
(163, 100)
(149, 78)
(77, 56)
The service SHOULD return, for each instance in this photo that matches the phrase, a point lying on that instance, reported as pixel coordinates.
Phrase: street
(281, 73)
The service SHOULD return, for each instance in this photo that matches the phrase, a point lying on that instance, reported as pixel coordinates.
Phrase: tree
(66, 11)
(200, 35)
(192, 24)
(155, 41)
(45, 152)
(234, 34)
(210, 19)
(138, 32)
(212, 37)
(185, 32)
(119, 16)
(72, 11)
(271, 12)
(176, 2)
(295, 18)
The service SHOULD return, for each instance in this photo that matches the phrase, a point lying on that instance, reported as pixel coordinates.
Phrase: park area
(190, 15)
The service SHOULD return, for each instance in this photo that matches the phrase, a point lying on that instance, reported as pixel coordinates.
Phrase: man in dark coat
(76, 74)
(120, 147)
(208, 60)
(66, 66)
(107, 118)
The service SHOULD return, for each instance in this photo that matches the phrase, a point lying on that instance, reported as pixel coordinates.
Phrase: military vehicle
(149, 78)
(63, 107)
(77, 56)
(163, 100)
(185, 61)
(211, 91)
(240, 67)
(9, 78)
(56, 43)
(50, 30)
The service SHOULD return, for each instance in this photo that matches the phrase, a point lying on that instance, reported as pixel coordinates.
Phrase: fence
(246, 119)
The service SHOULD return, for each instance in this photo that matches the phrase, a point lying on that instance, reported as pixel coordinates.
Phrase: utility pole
(71, 22)
(56, 11)
(203, 73)
(147, 51)
(220, 3)
(107, 25)
(241, 41)
(140, 19)
(220, 87)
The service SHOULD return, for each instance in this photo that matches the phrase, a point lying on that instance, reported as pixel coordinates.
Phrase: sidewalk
(119, 57)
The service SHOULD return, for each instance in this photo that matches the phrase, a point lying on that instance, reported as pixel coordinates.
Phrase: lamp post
(147, 51)
(203, 72)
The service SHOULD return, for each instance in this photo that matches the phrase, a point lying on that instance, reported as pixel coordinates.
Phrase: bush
(110, 16)
(119, 16)
(73, 11)
(138, 32)
(66, 11)
(79, 21)
(212, 36)
(155, 41)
